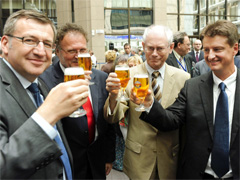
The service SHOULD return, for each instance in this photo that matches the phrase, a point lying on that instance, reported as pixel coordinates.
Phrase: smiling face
(219, 55)
(28, 61)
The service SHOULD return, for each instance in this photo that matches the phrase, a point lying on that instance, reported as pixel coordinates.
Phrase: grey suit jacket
(172, 61)
(201, 56)
(194, 108)
(26, 151)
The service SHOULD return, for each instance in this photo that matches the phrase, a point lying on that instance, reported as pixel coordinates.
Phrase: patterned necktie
(220, 152)
(197, 59)
(90, 118)
(33, 88)
(155, 86)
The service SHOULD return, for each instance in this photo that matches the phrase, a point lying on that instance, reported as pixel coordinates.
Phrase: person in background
(91, 138)
(196, 53)
(116, 50)
(110, 57)
(149, 153)
(127, 49)
(93, 58)
(134, 51)
(180, 58)
(32, 141)
(209, 106)
(134, 61)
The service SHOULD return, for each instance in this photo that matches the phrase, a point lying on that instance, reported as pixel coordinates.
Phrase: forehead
(126, 47)
(215, 41)
(31, 27)
(156, 39)
(73, 38)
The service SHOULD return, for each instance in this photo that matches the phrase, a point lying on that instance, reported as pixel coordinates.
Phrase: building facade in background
(121, 21)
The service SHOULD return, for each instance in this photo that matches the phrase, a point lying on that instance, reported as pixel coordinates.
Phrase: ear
(57, 51)
(5, 43)
(171, 47)
(235, 48)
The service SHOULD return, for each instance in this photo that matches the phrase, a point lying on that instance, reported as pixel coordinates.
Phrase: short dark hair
(126, 44)
(178, 37)
(66, 28)
(221, 28)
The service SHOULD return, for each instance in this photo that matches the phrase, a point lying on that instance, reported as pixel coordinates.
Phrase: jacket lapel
(94, 94)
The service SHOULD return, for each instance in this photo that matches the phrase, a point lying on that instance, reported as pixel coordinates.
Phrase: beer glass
(141, 84)
(73, 73)
(123, 74)
(85, 61)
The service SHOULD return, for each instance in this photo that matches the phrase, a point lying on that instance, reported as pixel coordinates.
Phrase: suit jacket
(26, 151)
(89, 159)
(202, 67)
(145, 146)
(172, 61)
(201, 55)
(197, 93)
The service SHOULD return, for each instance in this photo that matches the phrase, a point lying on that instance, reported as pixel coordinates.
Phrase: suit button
(37, 168)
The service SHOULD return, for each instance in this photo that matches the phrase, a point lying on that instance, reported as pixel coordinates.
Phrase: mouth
(37, 62)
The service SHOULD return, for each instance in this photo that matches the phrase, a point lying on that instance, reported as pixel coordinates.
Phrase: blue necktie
(220, 152)
(64, 157)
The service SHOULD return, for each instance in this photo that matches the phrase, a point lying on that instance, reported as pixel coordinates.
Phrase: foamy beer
(84, 61)
(123, 74)
(141, 84)
(73, 73)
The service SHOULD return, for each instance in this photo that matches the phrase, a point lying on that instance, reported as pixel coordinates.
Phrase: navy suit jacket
(201, 56)
(172, 61)
(88, 159)
(26, 151)
(194, 108)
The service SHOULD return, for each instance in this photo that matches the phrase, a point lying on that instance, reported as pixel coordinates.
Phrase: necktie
(36, 94)
(197, 59)
(220, 152)
(90, 118)
(155, 85)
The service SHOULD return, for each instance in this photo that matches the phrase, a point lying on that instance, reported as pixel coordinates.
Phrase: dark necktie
(220, 152)
(156, 86)
(197, 59)
(33, 88)
(90, 118)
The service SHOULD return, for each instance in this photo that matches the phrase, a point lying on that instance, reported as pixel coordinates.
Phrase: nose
(211, 55)
(40, 49)
(155, 52)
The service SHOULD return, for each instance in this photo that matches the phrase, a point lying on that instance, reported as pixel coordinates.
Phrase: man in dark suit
(27, 133)
(92, 159)
(197, 54)
(179, 57)
(202, 67)
(197, 106)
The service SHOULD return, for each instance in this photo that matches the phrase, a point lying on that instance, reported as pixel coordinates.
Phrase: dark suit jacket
(26, 151)
(194, 108)
(201, 67)
(89, 159)
(172, 61)
(201, 56)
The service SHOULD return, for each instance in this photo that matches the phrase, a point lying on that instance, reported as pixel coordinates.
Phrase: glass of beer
(141, 84)
(73, 73)
(85, 61)
(123, 74)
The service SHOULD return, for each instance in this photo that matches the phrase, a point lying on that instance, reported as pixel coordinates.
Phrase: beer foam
(122, 68)
(141, 75)
(74, 71)
(84, 55)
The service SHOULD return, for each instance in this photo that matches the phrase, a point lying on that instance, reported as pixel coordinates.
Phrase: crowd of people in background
(178, 136)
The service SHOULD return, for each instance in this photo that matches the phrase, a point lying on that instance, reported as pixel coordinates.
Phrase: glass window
(118, 41)
(136, 41)
(140, 3)
(115, 3)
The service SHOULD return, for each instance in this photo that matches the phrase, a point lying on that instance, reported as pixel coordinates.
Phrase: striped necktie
(155, 86)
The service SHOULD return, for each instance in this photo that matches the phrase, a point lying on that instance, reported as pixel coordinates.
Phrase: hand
(108, 168)
(113, 85)
(147, 101)
(63, 100)
(87, 75)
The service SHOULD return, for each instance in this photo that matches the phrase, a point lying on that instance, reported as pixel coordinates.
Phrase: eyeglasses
(150, 49)
(33, 42)
(73, 51)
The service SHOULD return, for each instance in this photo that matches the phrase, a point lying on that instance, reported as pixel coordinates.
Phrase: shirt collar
(176, 55)
(151, 70)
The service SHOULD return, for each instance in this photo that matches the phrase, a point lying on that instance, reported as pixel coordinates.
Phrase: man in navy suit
(179, 57)
(92, 159)
(27, 129)
(197, 107)
(197, 54)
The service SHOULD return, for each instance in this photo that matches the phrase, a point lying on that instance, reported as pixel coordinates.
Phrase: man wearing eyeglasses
(92, 158)
(149, 153)
(32, 141)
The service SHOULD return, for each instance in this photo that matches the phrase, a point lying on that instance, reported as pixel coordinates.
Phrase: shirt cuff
(47, 128)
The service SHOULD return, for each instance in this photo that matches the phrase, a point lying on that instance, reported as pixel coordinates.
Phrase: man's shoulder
(176, 71)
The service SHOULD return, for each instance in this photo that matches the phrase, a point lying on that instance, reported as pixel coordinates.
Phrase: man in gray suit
(27, 127)
(197, 54)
